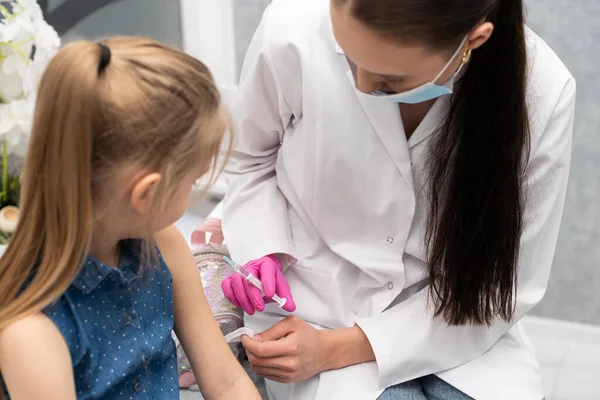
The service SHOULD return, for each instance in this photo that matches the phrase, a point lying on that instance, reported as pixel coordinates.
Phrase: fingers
(283, 290)
(286, 363)
(269, 349)
(274, 282)
(282, 369)
(239, 290)
(227, 288)
(254, 295)
(275, 378)
(280, 330)
(243, 294)
(273, 371)
(268, 276)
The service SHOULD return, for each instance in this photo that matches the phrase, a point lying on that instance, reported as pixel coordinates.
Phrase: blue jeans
(427, 388)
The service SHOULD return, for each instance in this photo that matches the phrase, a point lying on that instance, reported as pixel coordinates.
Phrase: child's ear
(143, 192)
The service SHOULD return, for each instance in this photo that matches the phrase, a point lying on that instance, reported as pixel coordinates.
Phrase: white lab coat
(326, 175)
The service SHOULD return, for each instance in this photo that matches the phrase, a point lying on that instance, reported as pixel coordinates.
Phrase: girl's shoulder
(21, 334)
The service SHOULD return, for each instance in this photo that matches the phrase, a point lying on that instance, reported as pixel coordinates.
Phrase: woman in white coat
(403, 166)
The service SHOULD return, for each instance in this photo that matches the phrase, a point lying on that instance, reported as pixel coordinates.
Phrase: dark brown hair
(478, 155)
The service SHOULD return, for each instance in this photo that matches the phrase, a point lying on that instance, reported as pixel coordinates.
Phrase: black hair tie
(105, 58)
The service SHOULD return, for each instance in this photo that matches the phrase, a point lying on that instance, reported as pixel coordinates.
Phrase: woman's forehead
(379, 55)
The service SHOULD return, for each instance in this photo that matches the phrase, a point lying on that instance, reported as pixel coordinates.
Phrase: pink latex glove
(243, 294)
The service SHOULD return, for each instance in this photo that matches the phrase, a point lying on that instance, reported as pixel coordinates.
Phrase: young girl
(95, 277)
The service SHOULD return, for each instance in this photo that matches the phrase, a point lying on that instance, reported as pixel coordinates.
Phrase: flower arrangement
(27, 43)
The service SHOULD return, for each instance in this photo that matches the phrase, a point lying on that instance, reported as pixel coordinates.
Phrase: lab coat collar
(430, 123)
(385, 118)
(338, 49)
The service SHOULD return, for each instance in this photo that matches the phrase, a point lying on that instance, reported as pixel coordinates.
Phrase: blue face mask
(429, 90)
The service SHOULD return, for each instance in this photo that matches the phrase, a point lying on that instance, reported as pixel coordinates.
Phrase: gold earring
(467, 56)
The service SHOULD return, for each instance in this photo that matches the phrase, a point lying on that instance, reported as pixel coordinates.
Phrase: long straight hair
(477, 156)
(152, 107)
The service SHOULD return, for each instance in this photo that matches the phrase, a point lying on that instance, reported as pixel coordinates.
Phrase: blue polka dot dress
(117, 323)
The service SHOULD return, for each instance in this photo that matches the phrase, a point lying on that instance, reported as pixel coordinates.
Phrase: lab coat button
(390, 240)
(390, 285)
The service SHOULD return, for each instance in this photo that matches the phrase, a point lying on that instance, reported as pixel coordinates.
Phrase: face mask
(429, 90)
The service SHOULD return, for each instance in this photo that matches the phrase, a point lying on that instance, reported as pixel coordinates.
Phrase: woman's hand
(290, 351)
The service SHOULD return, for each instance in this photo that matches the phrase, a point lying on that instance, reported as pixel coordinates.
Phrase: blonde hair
(152, 106)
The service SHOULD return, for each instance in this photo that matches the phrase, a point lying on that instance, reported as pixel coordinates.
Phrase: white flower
(36, 71)
(27, 43)
(30, 8)
(14, 63)
(18, 29)
(11, 86)
(16, 119)
(19, 148)
(7, 31)
(46, 40)
(17, 47)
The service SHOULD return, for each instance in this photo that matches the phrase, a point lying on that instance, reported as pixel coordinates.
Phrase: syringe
(243, 272)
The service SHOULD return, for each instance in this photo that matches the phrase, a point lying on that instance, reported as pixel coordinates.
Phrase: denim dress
(117, 323)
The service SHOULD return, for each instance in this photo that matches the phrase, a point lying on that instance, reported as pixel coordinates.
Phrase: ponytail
(476, 180)
(54, 232)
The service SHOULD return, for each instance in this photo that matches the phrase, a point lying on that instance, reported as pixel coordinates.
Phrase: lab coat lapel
(385, 118)
(431, 122)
